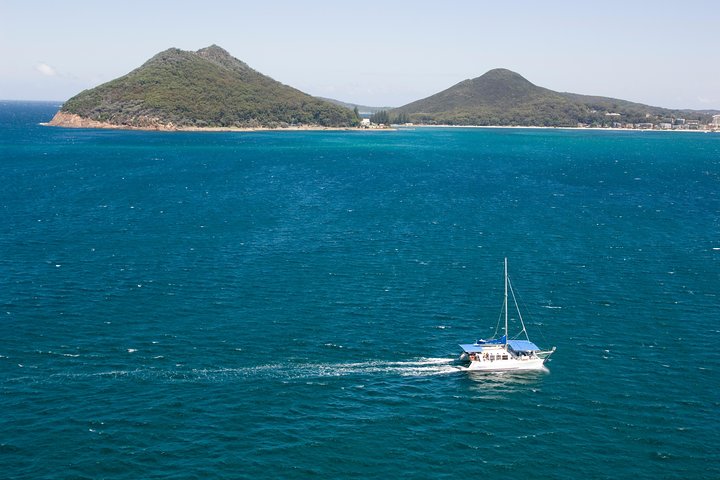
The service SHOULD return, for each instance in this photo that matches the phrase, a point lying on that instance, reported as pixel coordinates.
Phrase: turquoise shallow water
(255, 305)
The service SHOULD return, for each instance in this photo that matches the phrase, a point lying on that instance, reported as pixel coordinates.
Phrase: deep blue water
(258, 305)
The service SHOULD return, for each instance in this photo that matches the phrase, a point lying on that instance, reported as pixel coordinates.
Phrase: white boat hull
(511, 364)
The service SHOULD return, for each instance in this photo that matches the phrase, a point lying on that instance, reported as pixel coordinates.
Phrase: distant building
(666, 126)
(679, 121)
(715, 121)
(365, 122)
(644, 126)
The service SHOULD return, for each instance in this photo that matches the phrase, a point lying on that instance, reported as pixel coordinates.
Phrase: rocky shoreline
(71, 120)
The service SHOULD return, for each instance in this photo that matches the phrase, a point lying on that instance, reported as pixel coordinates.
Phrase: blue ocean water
(256, 305)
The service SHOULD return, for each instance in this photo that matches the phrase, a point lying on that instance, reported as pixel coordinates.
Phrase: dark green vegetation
(207, 88)
(383, 117)
(502, 97)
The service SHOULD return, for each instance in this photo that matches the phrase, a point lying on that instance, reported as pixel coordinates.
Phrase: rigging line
(497, 325)
(500, 318)
(517, 308)
(527, 309)
(541, 334)
(524, 305)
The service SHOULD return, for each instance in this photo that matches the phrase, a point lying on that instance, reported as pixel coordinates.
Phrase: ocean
(269, 304)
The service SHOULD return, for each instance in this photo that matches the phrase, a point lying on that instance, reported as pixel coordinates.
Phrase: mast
(506, 301)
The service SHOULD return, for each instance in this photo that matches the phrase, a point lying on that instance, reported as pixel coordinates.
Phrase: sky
(377, 53)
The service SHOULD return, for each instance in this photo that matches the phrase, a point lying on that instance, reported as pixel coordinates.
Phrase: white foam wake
(420, 367)
(415, 367)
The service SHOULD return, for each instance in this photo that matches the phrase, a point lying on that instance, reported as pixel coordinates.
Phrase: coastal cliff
(72, 120)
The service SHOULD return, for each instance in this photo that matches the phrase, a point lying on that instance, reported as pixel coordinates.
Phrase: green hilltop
(503, 97)
(207, 88)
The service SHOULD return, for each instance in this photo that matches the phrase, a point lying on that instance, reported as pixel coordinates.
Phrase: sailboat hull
(512, 364)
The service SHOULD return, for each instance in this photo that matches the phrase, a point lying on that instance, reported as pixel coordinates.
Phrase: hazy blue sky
(664, 53)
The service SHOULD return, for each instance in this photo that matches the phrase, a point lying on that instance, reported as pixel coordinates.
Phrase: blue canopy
(472, 348)
(523, 346)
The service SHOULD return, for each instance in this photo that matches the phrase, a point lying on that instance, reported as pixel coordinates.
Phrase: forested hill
(207, 88)
(503, 97)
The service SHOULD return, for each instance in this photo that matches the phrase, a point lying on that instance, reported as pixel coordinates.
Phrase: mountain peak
(503, 85)
(219, 56)
(215, 49)
(500, 71)
(502, 74)
(497, 90)
(214, 52)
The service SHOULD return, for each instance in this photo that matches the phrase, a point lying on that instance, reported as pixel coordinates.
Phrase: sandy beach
(525, 127)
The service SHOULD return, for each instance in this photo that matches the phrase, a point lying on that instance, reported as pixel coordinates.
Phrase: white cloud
(46, 69)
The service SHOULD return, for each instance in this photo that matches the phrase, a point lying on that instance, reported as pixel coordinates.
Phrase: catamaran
(501, 354)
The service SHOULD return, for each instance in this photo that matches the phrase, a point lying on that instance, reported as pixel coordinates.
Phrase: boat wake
(421, 367)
